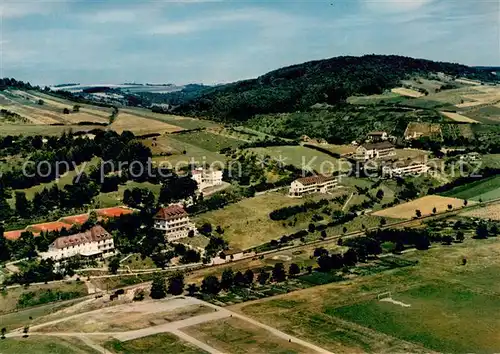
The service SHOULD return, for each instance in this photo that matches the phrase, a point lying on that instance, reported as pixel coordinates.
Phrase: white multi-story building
(405, 168)
(92, 243)
(315, 184)
(375, 151)
(207, 178)
(377, 136)
(174, 220)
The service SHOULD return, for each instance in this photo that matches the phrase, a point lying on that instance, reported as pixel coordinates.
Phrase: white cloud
(11, 9)
(396, 5)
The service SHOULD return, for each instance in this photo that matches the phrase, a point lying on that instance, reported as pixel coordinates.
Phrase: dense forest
(329, 81)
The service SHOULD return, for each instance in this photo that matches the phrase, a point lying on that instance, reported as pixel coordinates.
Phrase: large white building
(405, 168)
(92, 243)
(207, 178)
(372, 151)
(174, 220)
(315, 184)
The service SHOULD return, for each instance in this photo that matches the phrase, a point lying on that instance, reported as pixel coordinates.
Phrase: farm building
(174, 220)
(376, 137)
(315, 184)
(371, 151)
(94, 243)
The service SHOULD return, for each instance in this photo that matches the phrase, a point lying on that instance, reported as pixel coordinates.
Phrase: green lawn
(111, 199)
(302, 157)
(442, 317)
(155, 344)
(485, 189)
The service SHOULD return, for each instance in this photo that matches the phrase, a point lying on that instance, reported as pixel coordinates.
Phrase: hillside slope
(324, 81)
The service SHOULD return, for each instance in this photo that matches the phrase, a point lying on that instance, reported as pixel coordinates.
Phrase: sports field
(484, 190)
(452, 307)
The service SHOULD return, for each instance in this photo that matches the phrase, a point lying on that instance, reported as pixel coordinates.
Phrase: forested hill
(329, 81)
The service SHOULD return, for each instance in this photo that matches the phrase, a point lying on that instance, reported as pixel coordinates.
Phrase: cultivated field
(183, 122)
(208, 141)
(452, 307)
(141, 126)
(458, 117)
(481, 190)
(303, 158)
(233, 335)
(488, 212)
(425, 205)
(407, 92)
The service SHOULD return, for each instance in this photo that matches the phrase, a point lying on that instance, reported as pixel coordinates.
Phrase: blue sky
(112, 41)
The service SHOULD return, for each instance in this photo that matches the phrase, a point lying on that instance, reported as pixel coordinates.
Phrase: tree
(311, 228)
(460, 237)
(466, 202)
(158, 287)
(447, 240)
(380, 194)
(383, 222)
(434, 210)
(206, 229)
(176, 284)
(4, 330)
(344, 230)
(25, 331)
(114, 264)
(323, 234)
(210, 285)
(263, 277)
(192, 289)
(239, 279)
(248, 277)
(350, 258)
(418, 213)
(76, 108)
(482, 231)
(93, 218)
(65, 111)
(494, 230)
(227, 279)
(450, 206)
(41, 102)
(23, 208)
(294, 269)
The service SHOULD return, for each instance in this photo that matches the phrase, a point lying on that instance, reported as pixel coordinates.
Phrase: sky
(194, 41)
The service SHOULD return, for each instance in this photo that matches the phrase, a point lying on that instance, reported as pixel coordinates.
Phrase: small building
(207, 178)
(93, 243)
(174, 220)
(232, 254)
(372, 151)
(405, 168)
(378, 136)
(315, 184)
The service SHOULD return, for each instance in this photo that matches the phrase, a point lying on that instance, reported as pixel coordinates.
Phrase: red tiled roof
(307, 181)
(171, 212)
(97, 233)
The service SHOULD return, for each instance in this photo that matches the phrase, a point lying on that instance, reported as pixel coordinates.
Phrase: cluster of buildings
(206, 178)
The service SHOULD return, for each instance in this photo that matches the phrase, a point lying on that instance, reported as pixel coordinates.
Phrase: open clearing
(128, 317)
(425, 205)
(407, 92)
(233, 335)
(208, 141)
(484, 190)
(458, 117)
(453, 308)
(247, 224)
(156, 344)
(45, 345)
(183, 122)
(302, 157)
(488, 212)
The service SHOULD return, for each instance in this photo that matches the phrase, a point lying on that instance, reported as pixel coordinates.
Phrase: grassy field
(51, 130)
(156, 344)
(140, 126)
(234, 335)
(183, 122)
(45, 345)
(302, 157)
(247, 224)
(407, 92)
(387, 97)
(485, 190)
(458, 117)
(488, 212)
(111, 199)
(208, 141)
(452, 306)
